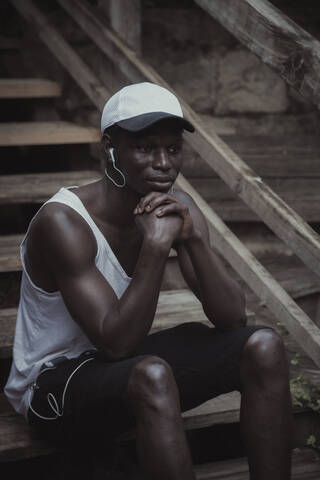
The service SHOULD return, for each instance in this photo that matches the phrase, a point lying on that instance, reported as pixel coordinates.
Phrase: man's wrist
(161, 247)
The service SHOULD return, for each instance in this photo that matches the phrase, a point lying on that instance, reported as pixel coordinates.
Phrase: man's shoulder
(58, 226)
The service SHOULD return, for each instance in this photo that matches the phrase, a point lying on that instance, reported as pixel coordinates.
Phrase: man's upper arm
(68, 249)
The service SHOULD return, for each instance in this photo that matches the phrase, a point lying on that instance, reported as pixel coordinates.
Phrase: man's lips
(160, 180)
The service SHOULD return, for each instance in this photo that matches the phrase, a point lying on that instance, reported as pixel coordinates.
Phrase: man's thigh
(205, 362)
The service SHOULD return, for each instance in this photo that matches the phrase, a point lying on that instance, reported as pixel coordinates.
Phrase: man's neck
(116, 205)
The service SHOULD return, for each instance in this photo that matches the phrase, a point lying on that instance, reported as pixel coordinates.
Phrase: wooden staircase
(272, 159)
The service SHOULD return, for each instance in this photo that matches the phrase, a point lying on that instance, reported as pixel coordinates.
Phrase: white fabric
(44, 328)
(138, 99)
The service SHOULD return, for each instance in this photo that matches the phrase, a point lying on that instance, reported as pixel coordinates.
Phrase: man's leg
(266, 413)
(161, 443)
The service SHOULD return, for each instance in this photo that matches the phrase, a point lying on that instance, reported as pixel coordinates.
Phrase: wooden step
(9, 253)
(174, 307)
(305, 466)
(29, 88)
(290, 156)
(46, 133)
(18, 440)
(37, 188)
(302, 194)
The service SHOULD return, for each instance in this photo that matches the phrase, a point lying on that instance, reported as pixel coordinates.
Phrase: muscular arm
(115, 327)
(221, 296)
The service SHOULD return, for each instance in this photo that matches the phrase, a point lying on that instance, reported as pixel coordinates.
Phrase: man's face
(151, 160)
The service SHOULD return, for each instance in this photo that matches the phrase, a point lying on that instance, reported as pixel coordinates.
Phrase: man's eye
(174, 149)
(143, 148)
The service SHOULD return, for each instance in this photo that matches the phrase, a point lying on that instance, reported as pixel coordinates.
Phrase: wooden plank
(301, 194)
(277, 40)
(269, 155)
(18, 441)
(46, 133)
(38, 187)
(174, 307)
(305, 332)
(64, 53)
(286, 223)
(29, 88)
(125, 19)
(9, 253)
(305, 466)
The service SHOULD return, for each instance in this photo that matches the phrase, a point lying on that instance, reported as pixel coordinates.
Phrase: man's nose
(161, 159)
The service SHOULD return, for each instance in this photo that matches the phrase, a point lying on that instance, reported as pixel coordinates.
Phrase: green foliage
(282, 329)
(295, 360)
(312, 441)
(305, 394)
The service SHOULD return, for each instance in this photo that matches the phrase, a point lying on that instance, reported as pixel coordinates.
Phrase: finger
(144, 201)
(152, 200)
(172, 208)
(160, 200)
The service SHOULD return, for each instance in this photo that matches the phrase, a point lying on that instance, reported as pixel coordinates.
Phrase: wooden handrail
(228, 245)
(283, 220)
(276, 39)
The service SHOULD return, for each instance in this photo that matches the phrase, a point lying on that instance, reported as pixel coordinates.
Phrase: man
(93, 262)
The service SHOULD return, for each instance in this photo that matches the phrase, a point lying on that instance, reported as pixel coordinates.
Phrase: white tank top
(44, 327)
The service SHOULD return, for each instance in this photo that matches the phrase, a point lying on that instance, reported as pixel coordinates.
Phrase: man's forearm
(127, 324)
(222, 298)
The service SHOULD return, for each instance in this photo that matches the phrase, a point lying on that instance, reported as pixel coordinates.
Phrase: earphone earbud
(111, 150)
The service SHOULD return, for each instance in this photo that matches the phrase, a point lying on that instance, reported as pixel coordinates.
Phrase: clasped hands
(167, 207)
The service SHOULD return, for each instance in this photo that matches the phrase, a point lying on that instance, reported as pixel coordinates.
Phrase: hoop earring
(117, 169)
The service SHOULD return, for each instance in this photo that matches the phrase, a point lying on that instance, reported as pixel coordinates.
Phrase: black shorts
(205, 363)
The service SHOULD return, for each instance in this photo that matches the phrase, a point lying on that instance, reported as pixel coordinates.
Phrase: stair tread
(29, 88)
(305, 466)
(39, 187)
(46, 133)
(174, 307)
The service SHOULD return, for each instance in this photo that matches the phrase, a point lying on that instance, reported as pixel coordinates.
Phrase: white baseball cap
(138, 106)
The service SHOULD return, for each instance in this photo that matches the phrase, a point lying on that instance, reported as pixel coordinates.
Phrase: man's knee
(264, 356)
(151, 381)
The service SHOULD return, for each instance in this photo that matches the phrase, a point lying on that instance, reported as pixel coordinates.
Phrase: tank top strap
(67, 197)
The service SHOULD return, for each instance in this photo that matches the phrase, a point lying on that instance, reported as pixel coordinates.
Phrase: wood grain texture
(303, 195)
(125, 19)
(277, 40)
(285, 156)
(9, 253)
(38, 187)
(29, 88)
(305, 466)
(46, 133)
(64, 53)
(282, 219)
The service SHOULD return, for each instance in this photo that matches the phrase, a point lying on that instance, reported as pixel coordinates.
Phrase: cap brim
(141, 122)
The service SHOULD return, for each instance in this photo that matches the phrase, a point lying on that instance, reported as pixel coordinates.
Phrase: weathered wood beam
(29, 88)
(282, 219)
(125, 19)
(272, 36)
(301, 327)
(255, 275)
(64, 53)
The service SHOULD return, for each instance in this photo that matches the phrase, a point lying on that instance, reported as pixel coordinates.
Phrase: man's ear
(106, 142)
